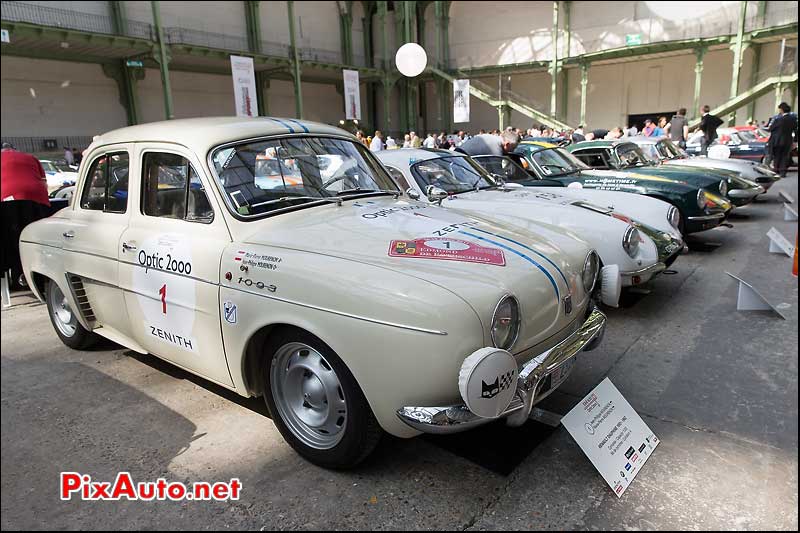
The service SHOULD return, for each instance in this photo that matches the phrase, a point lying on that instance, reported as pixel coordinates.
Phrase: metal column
(584, 84)
(737, 57)
(163, 60)
(698, 80)
(554, 62)
(298, 90)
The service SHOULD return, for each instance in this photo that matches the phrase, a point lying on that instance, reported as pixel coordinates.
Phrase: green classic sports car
(626, 155)
(700, 209)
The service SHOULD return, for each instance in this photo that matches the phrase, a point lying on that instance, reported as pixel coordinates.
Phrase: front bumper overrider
(533, 385)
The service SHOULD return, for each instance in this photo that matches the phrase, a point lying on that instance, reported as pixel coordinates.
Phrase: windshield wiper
(292, 198)
(368, 191)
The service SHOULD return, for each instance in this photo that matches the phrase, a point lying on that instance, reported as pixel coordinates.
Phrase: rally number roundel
(487, 381)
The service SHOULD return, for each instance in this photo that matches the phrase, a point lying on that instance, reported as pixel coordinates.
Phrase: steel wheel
(63, 317)
(308, 395)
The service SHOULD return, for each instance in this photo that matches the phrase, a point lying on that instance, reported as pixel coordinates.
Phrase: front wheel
(64, 320)
(316, 402)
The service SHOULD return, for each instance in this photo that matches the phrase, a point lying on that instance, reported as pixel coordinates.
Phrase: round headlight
(630, 242)
(701, 198)
(591, 267)
(674, 217)
(723, 188)
(505, 323)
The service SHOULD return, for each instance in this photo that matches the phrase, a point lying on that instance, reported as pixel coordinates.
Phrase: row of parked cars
(416, 291)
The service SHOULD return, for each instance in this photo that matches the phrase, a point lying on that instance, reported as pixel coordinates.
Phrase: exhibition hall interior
(399, 265)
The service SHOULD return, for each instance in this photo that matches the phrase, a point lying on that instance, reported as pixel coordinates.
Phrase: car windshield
(630, 155)
(263, 177)
(747, 136)
(557, 162)
(502, 166)
(651, 150)
(452, 173)
(49, 166)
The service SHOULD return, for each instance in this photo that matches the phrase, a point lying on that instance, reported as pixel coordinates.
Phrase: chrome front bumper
(645, 274)
(705, 218)
(746, 193)
(531, 386)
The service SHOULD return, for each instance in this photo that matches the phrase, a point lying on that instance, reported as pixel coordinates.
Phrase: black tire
(361, 430)
(82, 338)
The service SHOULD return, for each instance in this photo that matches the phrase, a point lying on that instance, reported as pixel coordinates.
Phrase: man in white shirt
(377, 142)
(429, 142)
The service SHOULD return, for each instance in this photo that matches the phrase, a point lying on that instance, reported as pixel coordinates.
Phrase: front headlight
(505, 323)
(630, 241)
(723, 188)
(701, 198)
(591, 267)
(674, 217)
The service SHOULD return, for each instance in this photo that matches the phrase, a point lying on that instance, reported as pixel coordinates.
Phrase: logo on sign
(229, 311)
(447, 250)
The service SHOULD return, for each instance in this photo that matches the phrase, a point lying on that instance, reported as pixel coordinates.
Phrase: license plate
(561, 373)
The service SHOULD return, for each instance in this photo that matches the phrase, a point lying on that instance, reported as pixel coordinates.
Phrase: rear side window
(593, 159)
(106, 186)
(171, 188)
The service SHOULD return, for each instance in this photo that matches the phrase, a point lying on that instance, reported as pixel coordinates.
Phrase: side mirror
(413, 193)
(435, 194)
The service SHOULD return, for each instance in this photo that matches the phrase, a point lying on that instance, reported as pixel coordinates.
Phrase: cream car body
(210, 291)
(521, 206)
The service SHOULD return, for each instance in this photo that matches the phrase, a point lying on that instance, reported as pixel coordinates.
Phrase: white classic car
(350, 308)
(58, 176)
(631, 252)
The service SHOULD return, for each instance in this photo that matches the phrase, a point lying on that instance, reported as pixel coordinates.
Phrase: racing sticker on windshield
(447, 250)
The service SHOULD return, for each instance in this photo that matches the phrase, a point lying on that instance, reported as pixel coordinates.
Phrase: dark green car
(700, 209)
(627, 155)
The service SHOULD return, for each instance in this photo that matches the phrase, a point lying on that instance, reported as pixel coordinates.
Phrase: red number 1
(163, 292)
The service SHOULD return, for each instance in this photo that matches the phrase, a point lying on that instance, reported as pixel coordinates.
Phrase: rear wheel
(64, 320)
(316, 402)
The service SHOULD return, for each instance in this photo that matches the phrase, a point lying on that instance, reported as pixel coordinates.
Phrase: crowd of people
(781, 127)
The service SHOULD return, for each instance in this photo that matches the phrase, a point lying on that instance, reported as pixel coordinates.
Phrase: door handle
(127, 246)
(68, 234)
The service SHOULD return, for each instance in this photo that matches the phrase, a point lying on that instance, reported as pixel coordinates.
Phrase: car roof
(202, 134)
(408, 156)
(641, 139)
(539, 145)
(601, 143)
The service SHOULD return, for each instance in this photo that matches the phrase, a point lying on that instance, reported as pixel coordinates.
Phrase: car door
(92, 237)
(169, 260)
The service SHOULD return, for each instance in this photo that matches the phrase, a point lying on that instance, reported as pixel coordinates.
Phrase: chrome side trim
(745, 193)
(654, 269)
(715, 216)
(532, 375)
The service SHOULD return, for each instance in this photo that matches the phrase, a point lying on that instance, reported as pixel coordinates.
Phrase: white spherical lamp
(411, 60)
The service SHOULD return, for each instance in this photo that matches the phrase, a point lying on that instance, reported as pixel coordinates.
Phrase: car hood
(477, 258)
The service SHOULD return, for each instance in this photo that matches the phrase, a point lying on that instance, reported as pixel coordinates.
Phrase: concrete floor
(718, 387)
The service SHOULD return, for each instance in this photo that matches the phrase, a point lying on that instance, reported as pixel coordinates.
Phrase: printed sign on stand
(612, 435)
(244, 86)
(352, 95)
(460, 100)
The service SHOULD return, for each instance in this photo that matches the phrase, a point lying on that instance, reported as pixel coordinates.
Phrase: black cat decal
(490, 390)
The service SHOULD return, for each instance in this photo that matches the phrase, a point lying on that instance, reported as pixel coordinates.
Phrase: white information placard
(612, 435)
(352, 95)
(4, 37)
(244, 86)
(460, 100)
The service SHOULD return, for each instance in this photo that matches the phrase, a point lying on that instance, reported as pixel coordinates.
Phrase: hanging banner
(352, 95)
(244, 86)
(460, 100)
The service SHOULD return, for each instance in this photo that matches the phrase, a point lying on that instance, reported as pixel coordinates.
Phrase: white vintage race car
(349, 307)
(58, 177)
(632, 253)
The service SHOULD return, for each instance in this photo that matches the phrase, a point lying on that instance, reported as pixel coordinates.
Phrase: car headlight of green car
(701, 198)
(723, 188)
(630, 241)
(505, 322)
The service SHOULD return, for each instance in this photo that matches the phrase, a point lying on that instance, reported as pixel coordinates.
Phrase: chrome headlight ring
(674, 217)
(506, 321)
(591, 269)
(723, 187)
(630, 241)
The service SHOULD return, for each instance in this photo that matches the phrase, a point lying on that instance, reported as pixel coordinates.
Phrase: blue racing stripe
(282, 123)
(525, 257)
(298, 123)
(529, 249)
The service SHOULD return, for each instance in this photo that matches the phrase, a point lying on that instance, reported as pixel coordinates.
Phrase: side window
(106, 185)
(593, 159)
(399, 178)
(171, 188)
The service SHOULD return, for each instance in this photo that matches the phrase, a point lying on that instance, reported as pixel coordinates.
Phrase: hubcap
(308, 395)
(62, 314)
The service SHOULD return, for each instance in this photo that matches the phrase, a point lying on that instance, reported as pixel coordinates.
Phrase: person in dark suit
(781, 131)
(708, 125)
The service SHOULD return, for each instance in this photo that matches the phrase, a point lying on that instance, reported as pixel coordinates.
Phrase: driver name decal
(447, 250)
